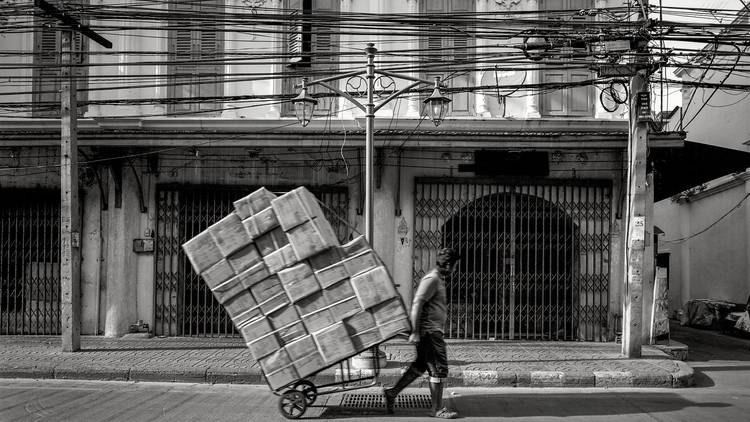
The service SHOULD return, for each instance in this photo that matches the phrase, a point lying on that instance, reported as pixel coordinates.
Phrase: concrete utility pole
(636, 204)
(70, 227)
(70, 218)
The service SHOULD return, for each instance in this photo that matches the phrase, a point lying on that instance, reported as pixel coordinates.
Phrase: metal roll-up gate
(534, 257)
(30, 261)
(184, 305)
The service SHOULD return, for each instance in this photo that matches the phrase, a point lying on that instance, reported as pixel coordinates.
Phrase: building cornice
(470, 133)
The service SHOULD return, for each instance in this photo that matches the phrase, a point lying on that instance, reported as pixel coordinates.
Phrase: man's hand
(414, 338)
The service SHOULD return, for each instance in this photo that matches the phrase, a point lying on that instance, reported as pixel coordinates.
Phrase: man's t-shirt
(431, 291)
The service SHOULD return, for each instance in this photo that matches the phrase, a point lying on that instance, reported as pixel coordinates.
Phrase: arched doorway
(535, 258)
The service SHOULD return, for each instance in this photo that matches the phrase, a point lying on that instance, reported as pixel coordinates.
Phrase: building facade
(191, 110)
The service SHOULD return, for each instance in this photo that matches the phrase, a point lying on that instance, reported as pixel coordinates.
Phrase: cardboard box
(312, 303)
(338, 291)
(312, 237)
(253, 203)
(266, 288)
(271, 241)
(389, 310)
(283, 317)
(244, 258)
(301, 347)
(255, 329)
(241, 314)
(318, 320)
(274, 303)
(367, 339)
(254, 275)
(228, 289)
(361, 262)
(332, 274)
(275, 361)
(334, 343)
(326, 258)
(360, 322)
(219, 273)
(261, 223)
(264, 346)
(280, 258)
(282, 377)
(296, 207)
(355, 246)
(298, 281)
(392, 328)
(345, 308)
(309, 364)
(202, 252)
(373, 287)
(229, 234)
(291, 333)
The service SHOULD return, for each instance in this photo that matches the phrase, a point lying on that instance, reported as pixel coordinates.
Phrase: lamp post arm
(332, 78)
(402, 76)
(344, 94)
(396, 94)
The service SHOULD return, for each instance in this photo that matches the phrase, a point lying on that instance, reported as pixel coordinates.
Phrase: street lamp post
(436, 103)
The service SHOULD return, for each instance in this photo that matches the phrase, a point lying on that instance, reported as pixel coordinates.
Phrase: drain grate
(376, 400)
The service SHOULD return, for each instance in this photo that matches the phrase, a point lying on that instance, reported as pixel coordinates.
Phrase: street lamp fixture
(437, 103)
(304, 105)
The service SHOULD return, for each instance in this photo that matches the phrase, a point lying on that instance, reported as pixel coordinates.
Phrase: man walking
(428, 315)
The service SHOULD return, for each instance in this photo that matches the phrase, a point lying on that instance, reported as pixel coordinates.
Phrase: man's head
(446, 260)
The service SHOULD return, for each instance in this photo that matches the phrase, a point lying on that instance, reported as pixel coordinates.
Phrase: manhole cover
(376, 400)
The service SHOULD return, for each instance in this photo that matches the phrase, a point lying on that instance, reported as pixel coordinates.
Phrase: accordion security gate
(184, 306)
(534, 257)
(30, 261)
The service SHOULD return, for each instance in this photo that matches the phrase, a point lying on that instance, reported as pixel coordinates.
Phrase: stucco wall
(712, 264)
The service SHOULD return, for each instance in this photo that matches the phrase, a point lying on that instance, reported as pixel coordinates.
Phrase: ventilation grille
(377, 401)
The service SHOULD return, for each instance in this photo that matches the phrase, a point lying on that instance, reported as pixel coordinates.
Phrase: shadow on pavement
(536, 405)
(578, 404)
(701, 379)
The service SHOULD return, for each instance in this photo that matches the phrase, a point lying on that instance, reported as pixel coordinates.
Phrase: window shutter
(181, 49)
(323, 51)
(580, 101)
(210, 69)
(454, 51)
(576, 101)
(554, 101)
(47, 81)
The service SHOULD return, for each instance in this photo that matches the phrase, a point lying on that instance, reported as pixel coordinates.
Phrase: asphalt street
(722, 393)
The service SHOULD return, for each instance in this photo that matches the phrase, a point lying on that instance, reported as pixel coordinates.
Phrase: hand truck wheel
(308, 389)
(292, 404)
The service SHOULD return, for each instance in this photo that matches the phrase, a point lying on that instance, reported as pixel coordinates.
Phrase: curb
(684, 377)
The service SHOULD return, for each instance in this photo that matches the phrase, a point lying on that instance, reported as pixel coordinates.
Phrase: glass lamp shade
(304, 106)
(437, 103)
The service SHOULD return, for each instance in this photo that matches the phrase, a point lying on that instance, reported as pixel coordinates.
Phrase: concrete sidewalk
(222, 360)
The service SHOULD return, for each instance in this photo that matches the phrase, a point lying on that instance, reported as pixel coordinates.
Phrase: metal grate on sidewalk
(377, 401)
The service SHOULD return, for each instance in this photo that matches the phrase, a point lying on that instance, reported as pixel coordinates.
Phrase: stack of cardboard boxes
(301, 301)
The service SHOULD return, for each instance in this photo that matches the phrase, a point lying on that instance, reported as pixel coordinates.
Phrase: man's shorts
(431, 355)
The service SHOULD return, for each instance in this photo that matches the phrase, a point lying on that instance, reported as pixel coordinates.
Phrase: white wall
(713, 264)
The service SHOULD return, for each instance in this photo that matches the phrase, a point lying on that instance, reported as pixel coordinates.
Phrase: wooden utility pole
(636, 205)
(70, 218)
(70, 227)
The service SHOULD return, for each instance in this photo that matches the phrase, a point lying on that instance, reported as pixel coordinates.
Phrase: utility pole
(70, 227)
(70, 218)
(640, 113)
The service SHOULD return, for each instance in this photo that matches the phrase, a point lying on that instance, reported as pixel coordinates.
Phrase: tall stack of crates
(300, 299)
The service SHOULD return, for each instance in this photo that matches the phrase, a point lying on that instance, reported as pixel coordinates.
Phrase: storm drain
(376, 400)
